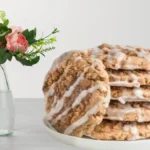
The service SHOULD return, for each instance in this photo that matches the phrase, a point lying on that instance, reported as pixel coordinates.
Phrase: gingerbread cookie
(115, 130)
(122, 57)
(77, 94)
(129, 78)
(135, 111)
(124, 94)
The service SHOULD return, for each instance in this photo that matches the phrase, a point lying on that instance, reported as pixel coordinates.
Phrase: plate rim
(109, 145)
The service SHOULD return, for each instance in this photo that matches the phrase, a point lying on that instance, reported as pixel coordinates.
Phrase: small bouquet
(22, 44)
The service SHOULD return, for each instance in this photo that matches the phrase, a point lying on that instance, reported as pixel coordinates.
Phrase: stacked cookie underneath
(128, 114)
(102, 93)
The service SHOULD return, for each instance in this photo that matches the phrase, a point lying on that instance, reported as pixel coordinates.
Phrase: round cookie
(122, 57)
(128, 78)
(135, 111)
(77, 93)
(115, 130)
(124, 94)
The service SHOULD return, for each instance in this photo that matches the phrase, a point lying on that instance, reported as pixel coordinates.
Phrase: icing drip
(60, 103)
(60, 59)
(131, 67)
(80, 98)
(144, 54)
(96, 51)
(97, 62)
(135, 79)
(136, 95)
(119, 56)
(134, 130)
(83, 119)
(119, 113)
(108, 97)
(117, 81)
(51, 92)
(78, 58)
(123, 83)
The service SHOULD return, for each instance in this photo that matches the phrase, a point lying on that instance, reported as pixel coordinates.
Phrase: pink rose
(16, 29)
(16, 40)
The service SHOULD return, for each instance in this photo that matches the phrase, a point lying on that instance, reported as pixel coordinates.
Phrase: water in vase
(7, 108)
(7, 112)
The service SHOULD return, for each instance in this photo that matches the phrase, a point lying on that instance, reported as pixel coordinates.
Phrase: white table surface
(30, 133)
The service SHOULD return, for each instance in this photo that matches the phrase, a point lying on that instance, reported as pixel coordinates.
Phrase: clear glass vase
(7, 107)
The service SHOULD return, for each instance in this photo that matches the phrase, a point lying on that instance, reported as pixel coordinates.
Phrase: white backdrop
(82, 24)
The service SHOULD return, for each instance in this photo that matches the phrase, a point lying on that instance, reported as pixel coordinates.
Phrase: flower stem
(5, 76)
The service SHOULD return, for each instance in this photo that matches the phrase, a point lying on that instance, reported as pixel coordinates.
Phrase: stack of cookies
(102, 93)
(128, 114)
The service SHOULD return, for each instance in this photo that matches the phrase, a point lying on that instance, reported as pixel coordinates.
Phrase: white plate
(89, 144)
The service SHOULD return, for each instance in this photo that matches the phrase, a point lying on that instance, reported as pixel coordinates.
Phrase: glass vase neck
(4, 84)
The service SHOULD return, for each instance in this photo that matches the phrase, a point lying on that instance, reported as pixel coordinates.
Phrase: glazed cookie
(129, 78)
(135, 111)
(124, 94)
(115, 130)
(77, 93)
(122, 57)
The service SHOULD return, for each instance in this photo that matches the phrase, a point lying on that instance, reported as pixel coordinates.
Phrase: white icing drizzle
(96, 51)
(54, 102)
(114, 53)
(144, 54)
(130, 67)
(60, 102)
(85, 92)
(97, 62)
(116, 56)
(80, 98)
(60, 59)
(78, 58)
(135, 79)
(54, 121)
(137, 95)
(51, 92)
(134, 130)
(119, 113)
(108, 97)
(72, 87)
(124, 83)
(117, 81)
(83, 119)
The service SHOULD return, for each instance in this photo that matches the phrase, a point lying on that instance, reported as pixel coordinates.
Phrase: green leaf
(8, 56)
(26, 62)
(2, 51)
(30, 35)
(2, 14)
(4, 56)
(6, 22)
(55, 31)
(3, 32)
